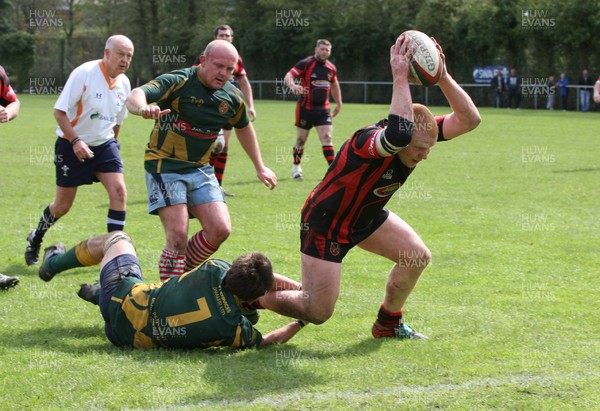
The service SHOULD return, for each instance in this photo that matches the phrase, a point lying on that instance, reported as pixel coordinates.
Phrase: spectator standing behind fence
(551, 90)
(563, 83)
(514, 89)
(499, 88)
(597, 91)
(584, 93)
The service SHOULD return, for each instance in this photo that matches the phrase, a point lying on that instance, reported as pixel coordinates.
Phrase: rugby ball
(426, 65)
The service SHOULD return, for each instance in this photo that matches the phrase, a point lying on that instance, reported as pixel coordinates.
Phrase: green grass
(510, 212)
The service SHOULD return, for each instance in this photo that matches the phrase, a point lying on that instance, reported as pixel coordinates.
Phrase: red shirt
(7, 94)
(356, 187)
(316, 77)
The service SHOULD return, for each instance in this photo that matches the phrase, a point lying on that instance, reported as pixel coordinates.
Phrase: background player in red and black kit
(347, 208)
(318, 77)
(9, 109)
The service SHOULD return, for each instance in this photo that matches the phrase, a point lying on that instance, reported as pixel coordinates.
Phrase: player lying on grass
(347, 208)
(200, 309)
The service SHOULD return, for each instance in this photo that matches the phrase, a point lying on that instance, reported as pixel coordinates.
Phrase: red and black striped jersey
(357, 186)
(7, 95)
(316, 78)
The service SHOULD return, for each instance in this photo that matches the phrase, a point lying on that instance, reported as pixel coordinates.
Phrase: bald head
(221, 48)
(217, 63)
(118, 40)
(118, 53)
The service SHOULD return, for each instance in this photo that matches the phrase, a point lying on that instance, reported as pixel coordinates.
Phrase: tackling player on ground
(347, 208)
(200, 309)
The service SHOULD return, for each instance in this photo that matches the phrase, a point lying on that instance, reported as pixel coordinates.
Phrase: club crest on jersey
(223, 107)
(334, 248)
(388, 174)
(387, 190)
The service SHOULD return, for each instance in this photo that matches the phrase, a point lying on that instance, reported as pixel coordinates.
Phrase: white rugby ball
(426, 65)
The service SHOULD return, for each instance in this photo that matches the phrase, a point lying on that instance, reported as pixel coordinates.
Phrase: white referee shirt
(94, 104)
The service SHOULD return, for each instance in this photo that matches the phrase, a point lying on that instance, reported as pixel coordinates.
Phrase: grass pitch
(510, 301)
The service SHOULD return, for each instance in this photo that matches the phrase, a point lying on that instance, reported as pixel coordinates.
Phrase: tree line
(48, 38)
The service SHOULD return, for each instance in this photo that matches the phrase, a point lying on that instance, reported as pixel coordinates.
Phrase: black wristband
(75, 140)
(302, 323)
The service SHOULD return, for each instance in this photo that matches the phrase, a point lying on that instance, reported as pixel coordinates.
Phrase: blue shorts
(70, 172)
(111, 275)
(167, 189)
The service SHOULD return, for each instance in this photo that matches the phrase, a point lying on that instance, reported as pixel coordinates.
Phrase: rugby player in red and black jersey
(318, 78)
(9, 109)
(9, 103)
(347, 207)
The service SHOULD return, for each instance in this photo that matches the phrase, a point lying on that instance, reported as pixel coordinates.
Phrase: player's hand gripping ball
(426, 65)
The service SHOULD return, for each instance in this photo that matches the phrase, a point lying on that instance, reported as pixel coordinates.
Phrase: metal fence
(380, 92)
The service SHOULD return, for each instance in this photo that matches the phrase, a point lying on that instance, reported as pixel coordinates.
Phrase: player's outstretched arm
(137, 104)
(283, 334)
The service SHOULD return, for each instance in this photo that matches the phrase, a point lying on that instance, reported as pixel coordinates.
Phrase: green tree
(18, 48)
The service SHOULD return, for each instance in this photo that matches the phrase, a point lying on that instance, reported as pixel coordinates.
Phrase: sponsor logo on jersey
(387, 190)
(320, 83)
(98, 116)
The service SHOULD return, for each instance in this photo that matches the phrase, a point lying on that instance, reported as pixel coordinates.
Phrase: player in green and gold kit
(199, 309)
(192, 105)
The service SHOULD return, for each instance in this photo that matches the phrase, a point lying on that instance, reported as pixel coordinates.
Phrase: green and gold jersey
(182, 140)
(192, 311)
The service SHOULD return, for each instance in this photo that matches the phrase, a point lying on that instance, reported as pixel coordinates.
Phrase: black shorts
(320, 246)
(70, 172)
(307, 119)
